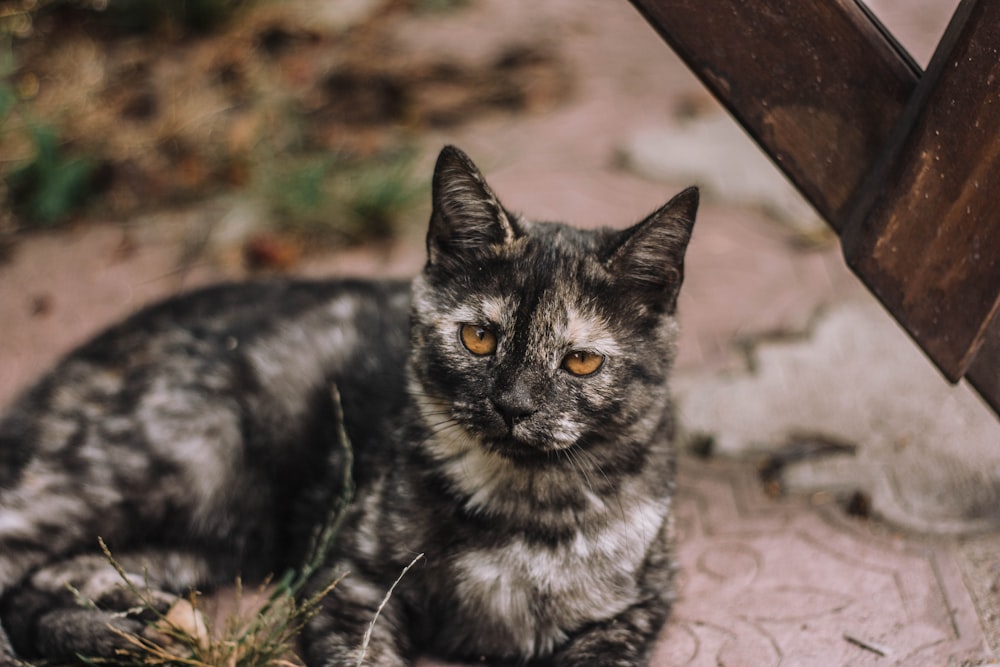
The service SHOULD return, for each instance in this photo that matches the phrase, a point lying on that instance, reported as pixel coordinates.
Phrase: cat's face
(535, 338)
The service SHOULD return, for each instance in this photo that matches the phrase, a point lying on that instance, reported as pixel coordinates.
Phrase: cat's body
(510, 420)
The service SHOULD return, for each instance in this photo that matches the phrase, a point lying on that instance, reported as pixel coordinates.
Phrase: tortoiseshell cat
(510, 416)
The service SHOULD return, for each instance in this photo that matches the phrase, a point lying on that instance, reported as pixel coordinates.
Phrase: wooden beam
(984, 374)
(819, 85)
(926, 235)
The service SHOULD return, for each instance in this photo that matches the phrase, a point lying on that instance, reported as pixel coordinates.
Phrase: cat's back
(265, 349)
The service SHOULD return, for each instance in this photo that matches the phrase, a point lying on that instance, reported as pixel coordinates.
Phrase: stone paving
(924, 452)
(788, 582)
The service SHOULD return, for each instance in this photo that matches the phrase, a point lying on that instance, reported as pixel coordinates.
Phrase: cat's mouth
(518, 451)
(528, 442)
(521, 446)
(525, 443)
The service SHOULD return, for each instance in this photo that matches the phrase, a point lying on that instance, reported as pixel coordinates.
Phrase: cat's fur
(198, 439)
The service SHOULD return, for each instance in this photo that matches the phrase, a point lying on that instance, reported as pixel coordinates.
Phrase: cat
(510, 418)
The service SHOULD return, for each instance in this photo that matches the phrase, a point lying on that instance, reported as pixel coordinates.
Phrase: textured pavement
(789, 582)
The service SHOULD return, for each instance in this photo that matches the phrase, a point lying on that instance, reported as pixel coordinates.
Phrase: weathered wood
(926, 237)
(819, 85)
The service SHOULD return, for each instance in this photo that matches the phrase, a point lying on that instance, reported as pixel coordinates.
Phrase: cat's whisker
(577, 465)
(615, 490)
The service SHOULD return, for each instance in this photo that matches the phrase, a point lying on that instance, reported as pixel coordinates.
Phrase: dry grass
(183, 636)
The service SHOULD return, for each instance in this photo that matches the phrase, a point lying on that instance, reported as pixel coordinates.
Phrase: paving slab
(788, 582)
(926, 453)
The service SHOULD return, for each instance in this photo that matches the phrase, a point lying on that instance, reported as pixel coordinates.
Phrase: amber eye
(581, 362)
(477, 339)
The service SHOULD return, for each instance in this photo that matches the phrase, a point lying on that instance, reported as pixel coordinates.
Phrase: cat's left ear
(649, 256)
(467, 218)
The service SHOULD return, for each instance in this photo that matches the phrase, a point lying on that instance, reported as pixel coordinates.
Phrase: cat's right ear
(649, 257)
(467, 218)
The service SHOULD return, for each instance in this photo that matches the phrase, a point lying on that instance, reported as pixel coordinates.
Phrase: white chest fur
(536, 594)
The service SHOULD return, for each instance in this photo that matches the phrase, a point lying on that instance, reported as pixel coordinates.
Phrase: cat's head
(534, 338)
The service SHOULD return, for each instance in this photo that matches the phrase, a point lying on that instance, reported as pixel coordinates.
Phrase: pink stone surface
(784, 582)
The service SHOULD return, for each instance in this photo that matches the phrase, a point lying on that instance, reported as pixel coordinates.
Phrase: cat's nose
(514, 408)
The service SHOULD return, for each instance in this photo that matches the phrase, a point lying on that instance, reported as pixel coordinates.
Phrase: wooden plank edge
(984, 373)
(856, 238)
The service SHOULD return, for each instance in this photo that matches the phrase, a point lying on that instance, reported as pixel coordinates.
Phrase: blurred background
(149, 146)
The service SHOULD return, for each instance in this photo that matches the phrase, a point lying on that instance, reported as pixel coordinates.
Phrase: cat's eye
(477, 339)
(582, 362)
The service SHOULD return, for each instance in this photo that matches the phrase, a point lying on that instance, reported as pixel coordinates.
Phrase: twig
(877, 649)
(385, 601)
(323, 539)
(292, 584)
(145, 597)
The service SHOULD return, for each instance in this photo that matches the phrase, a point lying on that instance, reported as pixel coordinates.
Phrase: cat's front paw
(599, 657)
(356, 626)
(624, 641)
(66, 633)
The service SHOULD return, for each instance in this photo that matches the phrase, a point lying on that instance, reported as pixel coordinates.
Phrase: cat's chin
(519, 452)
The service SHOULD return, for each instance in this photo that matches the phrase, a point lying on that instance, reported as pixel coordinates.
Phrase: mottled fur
(197, 439)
